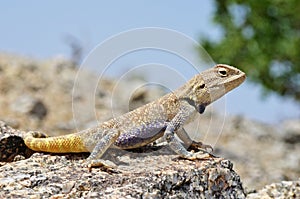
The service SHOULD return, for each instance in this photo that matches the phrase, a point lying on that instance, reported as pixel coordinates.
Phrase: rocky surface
(282, 190)
(38, 95)
(12, 146)
(156, 174)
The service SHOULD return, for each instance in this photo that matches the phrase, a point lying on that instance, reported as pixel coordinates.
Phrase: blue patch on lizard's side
(141, 136)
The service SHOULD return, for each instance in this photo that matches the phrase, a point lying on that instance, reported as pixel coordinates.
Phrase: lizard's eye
(222, 72)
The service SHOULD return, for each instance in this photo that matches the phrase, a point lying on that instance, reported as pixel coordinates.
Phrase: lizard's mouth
(235, 80)
(231, 82)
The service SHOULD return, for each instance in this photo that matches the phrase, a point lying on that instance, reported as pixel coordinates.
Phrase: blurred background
(261, 39)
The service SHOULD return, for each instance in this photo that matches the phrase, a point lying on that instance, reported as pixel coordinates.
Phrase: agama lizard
(162, 117)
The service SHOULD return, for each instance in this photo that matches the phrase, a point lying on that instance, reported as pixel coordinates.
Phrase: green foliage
(263, 39)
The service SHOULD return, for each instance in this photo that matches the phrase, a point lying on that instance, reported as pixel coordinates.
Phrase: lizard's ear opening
(222, 72)
(202, 86)
(199, 86)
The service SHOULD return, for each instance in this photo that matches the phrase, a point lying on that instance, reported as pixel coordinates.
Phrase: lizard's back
(137, 128)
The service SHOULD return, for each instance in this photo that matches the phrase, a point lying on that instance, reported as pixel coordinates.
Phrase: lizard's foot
(197, 155)
(199, 146)
(36, 134)
(106, 164)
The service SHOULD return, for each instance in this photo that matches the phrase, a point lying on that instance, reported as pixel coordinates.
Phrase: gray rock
(31, 106)
(213, 178)
(291, 129)
(284, 190)
(154, 173)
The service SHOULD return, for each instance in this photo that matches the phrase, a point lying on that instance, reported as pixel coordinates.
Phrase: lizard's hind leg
(94, 160)
(36, 134)
(30, 136)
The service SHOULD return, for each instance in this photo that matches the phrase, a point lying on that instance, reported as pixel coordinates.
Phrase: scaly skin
(164, 116)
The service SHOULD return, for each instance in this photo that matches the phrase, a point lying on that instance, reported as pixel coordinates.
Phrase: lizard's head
(212, 84)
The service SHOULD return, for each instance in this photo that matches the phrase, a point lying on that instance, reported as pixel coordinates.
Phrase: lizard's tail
(62, 144)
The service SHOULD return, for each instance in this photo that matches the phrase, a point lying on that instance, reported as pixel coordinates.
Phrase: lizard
(163, 117)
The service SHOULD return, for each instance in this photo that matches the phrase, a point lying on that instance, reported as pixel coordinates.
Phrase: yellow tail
(62, 144)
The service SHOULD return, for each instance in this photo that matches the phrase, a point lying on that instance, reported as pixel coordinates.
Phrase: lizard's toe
(106, 164)
(199, 146)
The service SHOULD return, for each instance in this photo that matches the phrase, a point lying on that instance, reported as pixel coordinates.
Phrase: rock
(291, 130)
(37, 94)
(31, 106)
(44, 177)
(259, 151)
(155, 173)
(284, 189)
(12, 146)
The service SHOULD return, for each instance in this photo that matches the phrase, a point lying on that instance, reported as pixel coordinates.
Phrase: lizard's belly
(140, 136)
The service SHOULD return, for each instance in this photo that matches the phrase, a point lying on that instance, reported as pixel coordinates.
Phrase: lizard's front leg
(176, 124)
(191, 144)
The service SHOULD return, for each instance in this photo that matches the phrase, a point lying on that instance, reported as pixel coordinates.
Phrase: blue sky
(40, 28)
